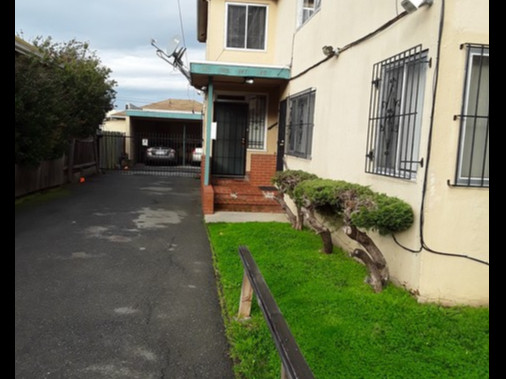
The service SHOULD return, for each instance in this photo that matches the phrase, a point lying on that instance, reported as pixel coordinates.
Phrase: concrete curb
(245, 217)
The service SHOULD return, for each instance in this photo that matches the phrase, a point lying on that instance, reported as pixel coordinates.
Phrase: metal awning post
(209, 120)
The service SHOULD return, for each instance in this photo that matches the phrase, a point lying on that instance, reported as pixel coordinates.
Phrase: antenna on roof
(173, 56)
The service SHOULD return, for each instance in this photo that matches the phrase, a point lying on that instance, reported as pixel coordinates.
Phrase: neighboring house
(25, 48)
(366, 92)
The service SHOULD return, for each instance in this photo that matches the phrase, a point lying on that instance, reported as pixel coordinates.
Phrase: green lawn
(342, 327)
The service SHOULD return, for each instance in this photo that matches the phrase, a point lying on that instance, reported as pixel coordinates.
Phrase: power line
(182, 28)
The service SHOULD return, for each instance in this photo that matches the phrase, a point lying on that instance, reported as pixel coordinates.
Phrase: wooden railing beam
(293, 364)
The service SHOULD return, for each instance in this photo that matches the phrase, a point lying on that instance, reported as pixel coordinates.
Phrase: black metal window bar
(256, 122)
(300, 123)
(395, 114)
(473, 157)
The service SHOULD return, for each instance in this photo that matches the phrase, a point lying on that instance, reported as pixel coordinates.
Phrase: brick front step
(240, 196)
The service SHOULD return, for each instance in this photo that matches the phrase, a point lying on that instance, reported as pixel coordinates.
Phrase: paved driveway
(115, 280)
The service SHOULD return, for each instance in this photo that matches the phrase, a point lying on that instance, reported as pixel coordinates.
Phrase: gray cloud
(120, 32)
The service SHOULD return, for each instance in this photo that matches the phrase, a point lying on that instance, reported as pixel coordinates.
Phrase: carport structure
(172, 123)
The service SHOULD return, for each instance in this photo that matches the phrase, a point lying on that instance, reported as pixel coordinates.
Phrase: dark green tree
(61, 92)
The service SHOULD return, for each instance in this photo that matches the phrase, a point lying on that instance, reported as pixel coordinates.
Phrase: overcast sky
(120, 32)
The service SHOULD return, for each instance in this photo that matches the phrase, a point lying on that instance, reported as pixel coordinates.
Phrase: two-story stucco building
(367, 92)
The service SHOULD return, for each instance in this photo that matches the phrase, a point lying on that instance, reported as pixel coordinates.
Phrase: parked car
(197, 155)
(160, 155)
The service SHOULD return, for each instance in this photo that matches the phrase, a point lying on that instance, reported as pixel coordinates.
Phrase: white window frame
(301, 9)
(245, 48)
(461, 178)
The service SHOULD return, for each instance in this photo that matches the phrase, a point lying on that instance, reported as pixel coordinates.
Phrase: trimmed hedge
(388, 215)
(366, 209)
(287, 180)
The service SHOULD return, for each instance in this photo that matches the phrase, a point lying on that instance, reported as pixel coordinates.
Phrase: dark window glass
(246, 26)
(300, 124)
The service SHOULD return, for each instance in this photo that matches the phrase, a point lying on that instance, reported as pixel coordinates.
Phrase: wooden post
(246, 298)
(283, 372)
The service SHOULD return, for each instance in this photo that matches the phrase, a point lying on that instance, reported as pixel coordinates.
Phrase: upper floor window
(300, 124)
(246, 26)
(395, 115)
(306, 9)
(473, 161)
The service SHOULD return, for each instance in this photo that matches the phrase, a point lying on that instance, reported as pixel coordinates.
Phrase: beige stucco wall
(455, 219)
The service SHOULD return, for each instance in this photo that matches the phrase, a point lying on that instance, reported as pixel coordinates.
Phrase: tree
(60, 94)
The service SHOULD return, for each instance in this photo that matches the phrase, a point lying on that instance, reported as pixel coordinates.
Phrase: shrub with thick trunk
(358, 207)
(286, 181)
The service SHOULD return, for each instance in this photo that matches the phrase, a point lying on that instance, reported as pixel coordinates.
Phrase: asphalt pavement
(114, 279)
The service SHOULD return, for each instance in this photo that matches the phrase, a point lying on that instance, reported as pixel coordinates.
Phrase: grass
(41, 197)
(342, 327)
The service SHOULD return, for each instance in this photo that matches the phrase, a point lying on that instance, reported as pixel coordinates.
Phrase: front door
(229, 148)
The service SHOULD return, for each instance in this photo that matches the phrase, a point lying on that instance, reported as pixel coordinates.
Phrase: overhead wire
(182, 28)
(181, 25)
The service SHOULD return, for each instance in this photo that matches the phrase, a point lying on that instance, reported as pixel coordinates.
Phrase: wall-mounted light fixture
(412, 5)
(249, 80)
(329, 51)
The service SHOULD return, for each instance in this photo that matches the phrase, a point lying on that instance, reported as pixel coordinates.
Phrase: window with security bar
(300, 124)
(395, 115)
(257, 113)
(473, 160)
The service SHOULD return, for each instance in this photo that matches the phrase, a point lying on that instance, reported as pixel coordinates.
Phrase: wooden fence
(80, 161)
(293, 363)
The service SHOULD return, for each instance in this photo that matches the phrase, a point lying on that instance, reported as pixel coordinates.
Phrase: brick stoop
(236, 195)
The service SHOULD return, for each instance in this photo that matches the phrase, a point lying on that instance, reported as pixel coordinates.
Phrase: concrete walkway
(245, 217)
(115, 280)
